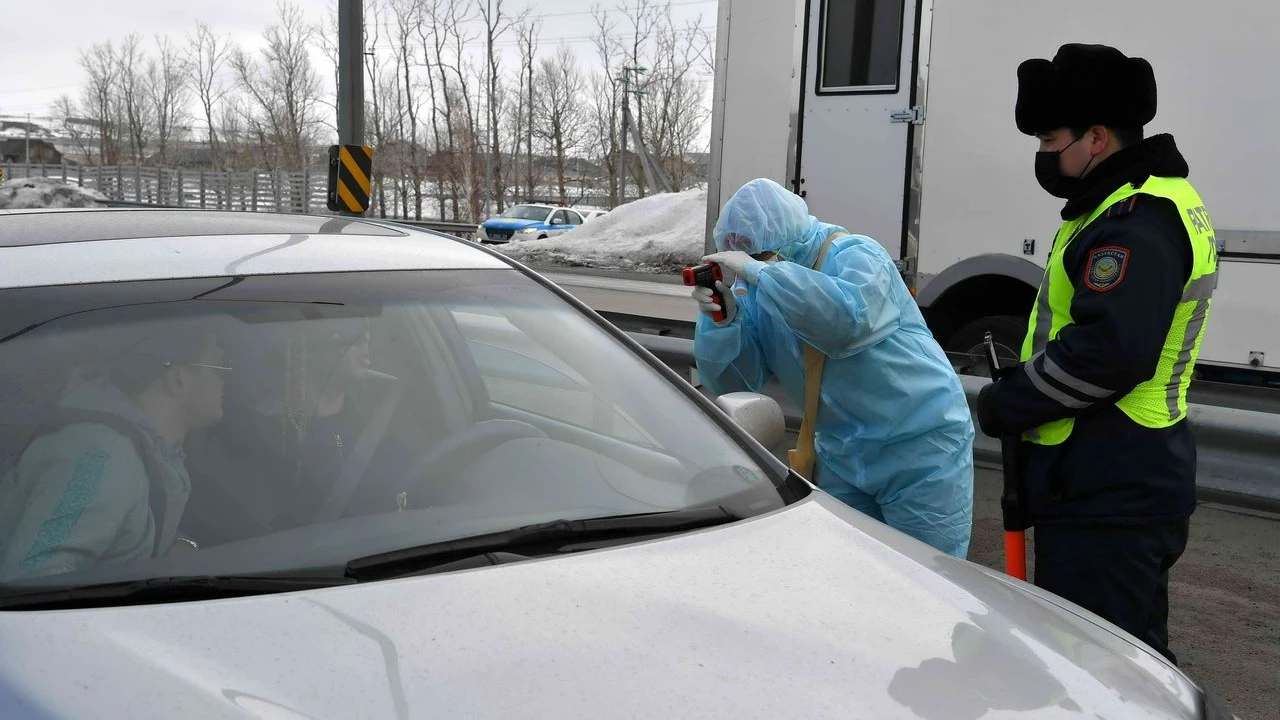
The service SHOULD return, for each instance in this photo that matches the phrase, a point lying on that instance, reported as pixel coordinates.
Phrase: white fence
(295, 192)
(261, 191)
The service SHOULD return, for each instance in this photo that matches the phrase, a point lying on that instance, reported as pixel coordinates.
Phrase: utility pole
(488, 89)
(625, 79)
(642, 149)
(350, 74)
(622, 161)
(28, 144)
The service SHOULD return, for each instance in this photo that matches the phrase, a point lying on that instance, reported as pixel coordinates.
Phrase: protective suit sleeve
(729, 358)
(846, 307)
(81, 496)
(1118, 328)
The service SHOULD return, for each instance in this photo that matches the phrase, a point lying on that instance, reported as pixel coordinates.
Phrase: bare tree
(377, 123)
(408, 14)
(326, 35)
(674, 94)
(644, 18)
(102, 104)
(133, 92)
(496, 24)
(467, 125)
(168, 94)
(74, 124)
(284, 90)
(207, 55)
(705, 41)
(527, 42)
(387, 111)
(606, 107)
(560, 111)
(231, 120)
(443, 39)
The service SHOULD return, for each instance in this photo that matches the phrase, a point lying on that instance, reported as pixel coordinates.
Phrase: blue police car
(530, 221)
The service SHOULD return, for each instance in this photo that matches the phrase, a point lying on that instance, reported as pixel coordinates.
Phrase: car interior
(498, 406)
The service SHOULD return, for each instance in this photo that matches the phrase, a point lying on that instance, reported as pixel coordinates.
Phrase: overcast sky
(40, 43)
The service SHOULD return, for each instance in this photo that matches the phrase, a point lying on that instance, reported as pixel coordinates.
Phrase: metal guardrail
(466, 231)
(1238, 451)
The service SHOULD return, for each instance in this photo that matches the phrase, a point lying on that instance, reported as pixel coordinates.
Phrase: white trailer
(894, 118)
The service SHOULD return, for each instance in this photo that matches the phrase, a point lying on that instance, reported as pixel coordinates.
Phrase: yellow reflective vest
(1161, 400)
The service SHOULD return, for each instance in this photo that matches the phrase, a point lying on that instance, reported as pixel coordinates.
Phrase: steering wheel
(448, 458)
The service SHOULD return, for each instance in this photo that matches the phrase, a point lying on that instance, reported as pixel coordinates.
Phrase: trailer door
(857, 115)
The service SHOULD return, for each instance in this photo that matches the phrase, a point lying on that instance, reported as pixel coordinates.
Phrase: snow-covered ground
(22, 193)
(659, 234)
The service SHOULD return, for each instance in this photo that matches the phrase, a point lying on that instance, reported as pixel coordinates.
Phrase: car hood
(509, 224)
(810, 611)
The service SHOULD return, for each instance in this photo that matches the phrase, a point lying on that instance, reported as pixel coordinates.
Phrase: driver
(293, 416)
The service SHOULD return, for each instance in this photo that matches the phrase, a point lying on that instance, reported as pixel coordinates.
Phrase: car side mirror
(759, 415)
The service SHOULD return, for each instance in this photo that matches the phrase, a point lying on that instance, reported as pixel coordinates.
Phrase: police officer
(1100, 398)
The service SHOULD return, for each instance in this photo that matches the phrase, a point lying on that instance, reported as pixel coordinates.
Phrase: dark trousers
(1120, 572)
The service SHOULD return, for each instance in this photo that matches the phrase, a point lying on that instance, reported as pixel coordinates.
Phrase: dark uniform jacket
(1111, 469)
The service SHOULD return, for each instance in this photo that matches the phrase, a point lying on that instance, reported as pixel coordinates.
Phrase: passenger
(104, 481)
(294, 417)
(892, 436)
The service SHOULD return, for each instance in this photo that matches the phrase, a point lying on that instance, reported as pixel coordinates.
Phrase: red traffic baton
(1012, 500)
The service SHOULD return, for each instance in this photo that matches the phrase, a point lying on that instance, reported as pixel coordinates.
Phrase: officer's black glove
(988, 420)
(1005, 372)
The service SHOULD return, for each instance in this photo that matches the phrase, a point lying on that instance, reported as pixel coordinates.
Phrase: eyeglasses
(223, 368)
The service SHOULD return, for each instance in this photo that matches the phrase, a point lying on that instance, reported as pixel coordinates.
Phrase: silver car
(284, 466)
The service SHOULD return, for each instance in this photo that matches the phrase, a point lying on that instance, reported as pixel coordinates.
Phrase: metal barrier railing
(466, 231)
(1238, 451)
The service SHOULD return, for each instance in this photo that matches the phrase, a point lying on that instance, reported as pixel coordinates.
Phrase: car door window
(558, 218)
(573, 218)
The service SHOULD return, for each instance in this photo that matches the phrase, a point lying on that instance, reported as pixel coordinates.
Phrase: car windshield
(273, 424)
(526, 212)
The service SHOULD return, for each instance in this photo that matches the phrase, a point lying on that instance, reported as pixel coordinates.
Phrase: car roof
(87, 245)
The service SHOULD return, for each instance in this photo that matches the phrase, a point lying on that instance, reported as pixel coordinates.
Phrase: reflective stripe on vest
(1161, 400)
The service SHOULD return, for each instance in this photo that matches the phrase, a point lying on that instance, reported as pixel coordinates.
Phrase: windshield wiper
(536, 539)
(163, 590)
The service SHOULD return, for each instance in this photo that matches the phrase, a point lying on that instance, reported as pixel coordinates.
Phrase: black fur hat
(1085, 85)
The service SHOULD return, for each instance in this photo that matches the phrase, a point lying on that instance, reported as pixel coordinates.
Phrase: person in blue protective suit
(893, 435)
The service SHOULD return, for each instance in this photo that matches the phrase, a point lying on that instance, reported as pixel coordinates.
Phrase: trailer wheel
(966, 345)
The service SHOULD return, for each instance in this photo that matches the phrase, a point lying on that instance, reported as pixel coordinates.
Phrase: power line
(24, 109)
(39, 89)
(567, 39)
(571, 13)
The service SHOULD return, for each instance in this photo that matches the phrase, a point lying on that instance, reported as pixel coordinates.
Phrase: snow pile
(23, 193)
(659, 234)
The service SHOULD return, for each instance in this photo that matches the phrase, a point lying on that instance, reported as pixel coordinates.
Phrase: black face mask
(1049, 173)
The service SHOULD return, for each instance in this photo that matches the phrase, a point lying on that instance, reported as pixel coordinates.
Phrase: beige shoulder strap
(803, 457)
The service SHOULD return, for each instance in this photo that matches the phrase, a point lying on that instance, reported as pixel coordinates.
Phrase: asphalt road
(1224, 611)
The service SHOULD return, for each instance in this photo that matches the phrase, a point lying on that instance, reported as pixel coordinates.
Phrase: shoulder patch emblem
(1106, 268)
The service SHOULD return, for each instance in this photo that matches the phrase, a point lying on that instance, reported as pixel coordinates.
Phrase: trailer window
(861, 45)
